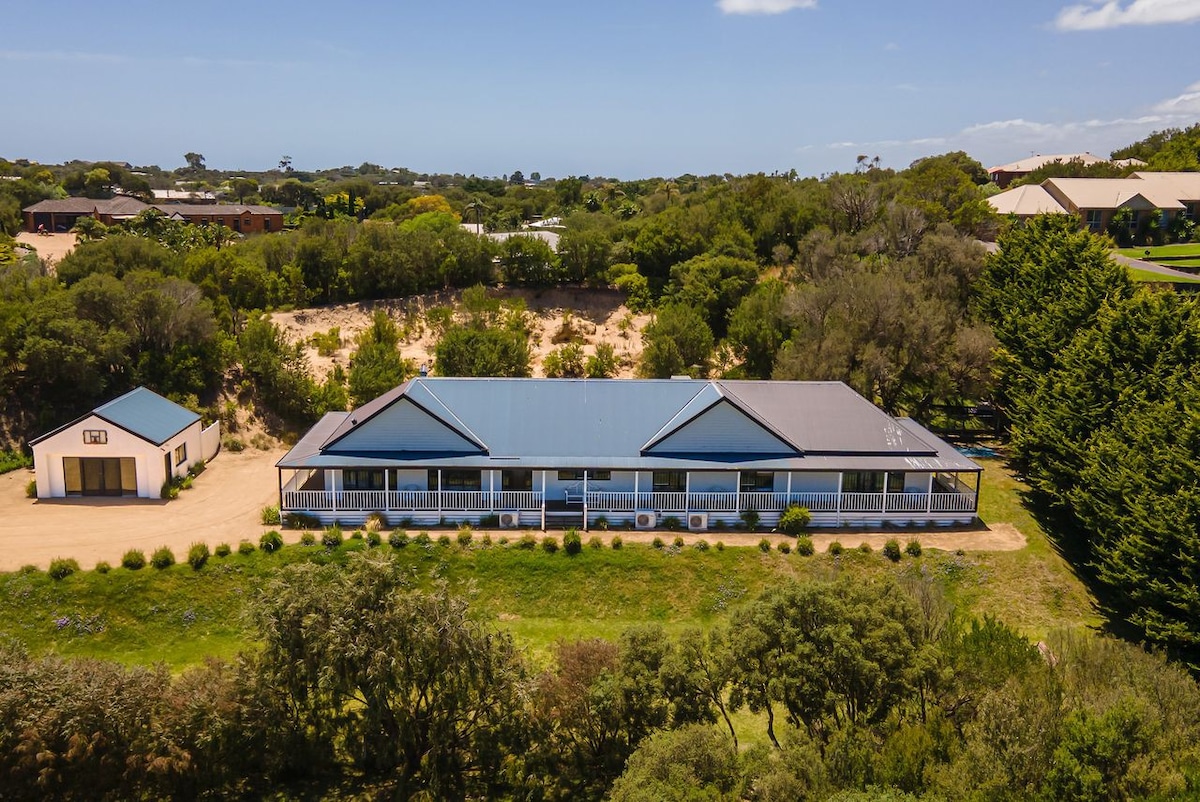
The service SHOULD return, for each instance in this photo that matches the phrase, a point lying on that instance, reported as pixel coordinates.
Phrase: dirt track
(225, 503)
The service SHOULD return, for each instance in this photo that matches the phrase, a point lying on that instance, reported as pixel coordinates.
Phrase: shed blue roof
(140, 412)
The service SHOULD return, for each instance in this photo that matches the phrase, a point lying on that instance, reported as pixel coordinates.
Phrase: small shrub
(332, 537)
(490, 521)
(913, 548)
(678, 543)
(169, 490)
(422, 539)
(572, 542)
(657, 542)
(671, 523)
(701, 545)
(186, 482)
(444, 540)
(750, 519)
(198, 467)
(485, 542)
(373, 539)
(162, 558)
(836, 548)
(794, 519)
(31, 488)
(764, 545)
(375, 521)
(300, 520)
(306, 539)
(719, 524)
(720, 545)
(245, 548)
(527, 542)
(602, 523)
(223, 550)
(134, 560)
(234, 445)
(503, 541)
(62, 567)
(594, 542)
(804, 546)
(617, 542)
(270, 541)
(891, 550)
(549, 544)
(269, 516)
(103, 567)
(864, 547)
(398, 539)
(197, 555)
(464, 537)
(960, 553)
(357, 534)
(784, 547)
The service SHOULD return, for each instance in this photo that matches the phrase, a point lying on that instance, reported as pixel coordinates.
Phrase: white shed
(126, 447)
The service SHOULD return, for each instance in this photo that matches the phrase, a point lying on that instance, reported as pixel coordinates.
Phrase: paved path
(1150, 267)
(223, 507)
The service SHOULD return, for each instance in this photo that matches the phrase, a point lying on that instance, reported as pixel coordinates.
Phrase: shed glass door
(100, 476)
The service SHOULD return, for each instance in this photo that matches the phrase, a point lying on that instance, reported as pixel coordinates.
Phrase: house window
(518, 480)
(895, 482)
(669, 481)
(1095, 219)
(1189, 211)
(862, 482)
(457, 479)
(576, 475)
(758, 482)
(181, 454)
(362, 480)
(1133, 223)
(266, 224)
(95, 437)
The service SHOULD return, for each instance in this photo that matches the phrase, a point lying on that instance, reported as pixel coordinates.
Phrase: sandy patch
(49, 247)
(597, 316)
(223, 507)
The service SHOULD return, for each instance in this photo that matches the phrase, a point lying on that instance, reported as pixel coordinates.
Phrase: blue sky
(619, 88)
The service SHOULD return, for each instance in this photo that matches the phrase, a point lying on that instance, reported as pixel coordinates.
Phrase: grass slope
(180, 616)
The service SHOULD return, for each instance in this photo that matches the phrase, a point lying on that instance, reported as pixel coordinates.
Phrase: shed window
(181, 454)
(95, 437)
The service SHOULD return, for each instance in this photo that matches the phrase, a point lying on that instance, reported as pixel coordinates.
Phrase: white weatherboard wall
(404, 427)
(148, 458)
(723, 428)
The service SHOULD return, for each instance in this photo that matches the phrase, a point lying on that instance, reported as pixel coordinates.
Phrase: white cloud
(763, 6)
(1186, 103)
(1095, 15)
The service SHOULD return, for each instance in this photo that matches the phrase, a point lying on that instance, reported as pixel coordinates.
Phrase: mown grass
(1138, 274)
(1185, 249)
(180, 616)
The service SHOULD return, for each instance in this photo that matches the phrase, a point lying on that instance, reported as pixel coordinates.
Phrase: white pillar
(439, 496)
(491, 491)
(883, 507)
(737, 493)
(687, 493)
(543, 499)
(929, 495)
(788, 500)
(839, 498)
(585, 500)
(387, 495)
(636, 475)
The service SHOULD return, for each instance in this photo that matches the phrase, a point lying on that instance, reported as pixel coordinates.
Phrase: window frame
(95, 437)
(180, 454)
(668, 481)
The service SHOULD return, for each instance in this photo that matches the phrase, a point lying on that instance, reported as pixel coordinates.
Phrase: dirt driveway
(51, 247)
(222, 507)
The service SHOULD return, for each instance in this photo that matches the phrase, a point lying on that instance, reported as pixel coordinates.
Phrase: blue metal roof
(148, 415)
(607, 423)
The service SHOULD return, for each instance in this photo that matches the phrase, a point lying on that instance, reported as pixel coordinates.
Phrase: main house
(566, 452)
(129, 446)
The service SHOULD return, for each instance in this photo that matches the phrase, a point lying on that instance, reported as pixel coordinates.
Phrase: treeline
(364, 684)
(1169, 149)
(1101, 380)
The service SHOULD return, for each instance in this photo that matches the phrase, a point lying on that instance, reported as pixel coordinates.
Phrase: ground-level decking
(705, 498)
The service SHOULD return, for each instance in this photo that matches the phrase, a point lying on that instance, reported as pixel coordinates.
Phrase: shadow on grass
(1071, 542)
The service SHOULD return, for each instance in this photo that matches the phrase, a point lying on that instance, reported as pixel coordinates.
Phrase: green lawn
(1186, 249)
(180, 616)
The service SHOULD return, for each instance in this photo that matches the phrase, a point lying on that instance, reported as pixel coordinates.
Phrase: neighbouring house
(1096, 200)
(567, 452)
(1026, 201)
(129, 446)
(183, 196)
(1004, 174)
(1184, 187)
(60, 215)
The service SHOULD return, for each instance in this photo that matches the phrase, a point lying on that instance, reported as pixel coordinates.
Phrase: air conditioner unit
(698, 521)
(510, 520)
(645, 519)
